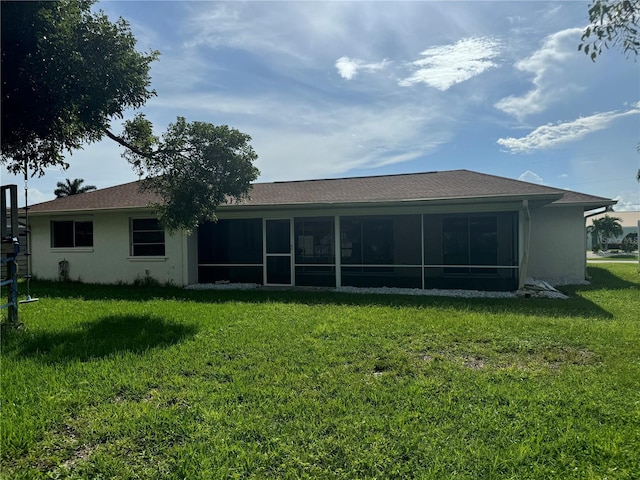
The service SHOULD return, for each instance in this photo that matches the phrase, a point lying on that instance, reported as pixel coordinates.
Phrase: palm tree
(606, 227)
(70, 187)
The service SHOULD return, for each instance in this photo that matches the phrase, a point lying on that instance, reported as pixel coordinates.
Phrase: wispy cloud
(443, 66)
(628, 201)
(548, 136)
(548, 65)
(349, 67)
(313, 31)
(346, 138)
(531, 177)
(312, 138)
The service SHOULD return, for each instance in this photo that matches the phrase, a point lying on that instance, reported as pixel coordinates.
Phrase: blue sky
(335, 89)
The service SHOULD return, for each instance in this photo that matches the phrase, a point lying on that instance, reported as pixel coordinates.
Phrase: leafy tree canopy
(605, 228)
(66, 72)
(72, 187)
(613, 23)
(194, 168)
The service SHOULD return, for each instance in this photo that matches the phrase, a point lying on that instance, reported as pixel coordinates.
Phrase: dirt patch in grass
(553, 357)
(474, 363)
(82, 453)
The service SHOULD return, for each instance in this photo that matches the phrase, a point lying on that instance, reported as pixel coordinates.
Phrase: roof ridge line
(355, 178)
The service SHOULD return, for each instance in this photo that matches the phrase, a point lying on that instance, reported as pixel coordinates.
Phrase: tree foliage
(638, 174)
(613, 23)
(604, 228)
(194, 168)
(72, 187)
(630, 242)
(66, 72)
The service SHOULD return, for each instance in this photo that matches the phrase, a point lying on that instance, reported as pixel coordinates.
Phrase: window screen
(70, 234)
(147, 237)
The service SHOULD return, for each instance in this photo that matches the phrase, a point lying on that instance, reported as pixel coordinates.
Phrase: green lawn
(614, 258)
(125, 382)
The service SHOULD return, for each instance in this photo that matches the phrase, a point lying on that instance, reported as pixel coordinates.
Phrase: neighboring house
(22, 258)
(628, 220)
(454, 229)
(12, 225)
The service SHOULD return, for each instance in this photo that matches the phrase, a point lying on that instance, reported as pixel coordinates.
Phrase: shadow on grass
(576, 306)
(103, 337)
(604, 278)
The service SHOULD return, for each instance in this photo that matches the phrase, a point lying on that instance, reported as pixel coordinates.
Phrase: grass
(615, 257)
(159, 382)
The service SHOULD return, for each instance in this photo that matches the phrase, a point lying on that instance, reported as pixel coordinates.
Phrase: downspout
(527, 243)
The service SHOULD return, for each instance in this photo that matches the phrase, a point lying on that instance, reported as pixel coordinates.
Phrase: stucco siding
(557, 242)
(557, 252)
(109, 260)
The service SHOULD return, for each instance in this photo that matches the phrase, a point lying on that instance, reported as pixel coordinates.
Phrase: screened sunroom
(469, 251)
(454, 229)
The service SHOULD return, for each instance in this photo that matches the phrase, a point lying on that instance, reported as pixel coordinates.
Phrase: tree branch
(122, 142)
(126, 144)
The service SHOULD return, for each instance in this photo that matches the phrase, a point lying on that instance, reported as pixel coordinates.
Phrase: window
(71, 234)
(147, 237)
(381, 251)
(470, 240)
(230, 242)
(381, 240)
(230, 251)
(471, 251)
(314, 241)
(367, 240)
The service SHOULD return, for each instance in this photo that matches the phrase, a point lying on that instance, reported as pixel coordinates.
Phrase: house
(451, 229)
(629, 222)
(12, 225)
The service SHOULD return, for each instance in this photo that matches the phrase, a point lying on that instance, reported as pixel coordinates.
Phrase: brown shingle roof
(121, 196)
(449, 185)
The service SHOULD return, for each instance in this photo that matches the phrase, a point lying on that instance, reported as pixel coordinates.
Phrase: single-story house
(451, 229)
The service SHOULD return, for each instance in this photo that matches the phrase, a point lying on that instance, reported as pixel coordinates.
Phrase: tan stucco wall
(109, 260)
(557, 252)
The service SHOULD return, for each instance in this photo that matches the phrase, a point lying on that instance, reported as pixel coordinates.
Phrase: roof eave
(586, 205)
(541, 199)
(86, 211)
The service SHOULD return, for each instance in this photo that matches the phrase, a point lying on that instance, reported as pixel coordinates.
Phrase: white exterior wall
(109, 260)
(558, 245)
(557, 242)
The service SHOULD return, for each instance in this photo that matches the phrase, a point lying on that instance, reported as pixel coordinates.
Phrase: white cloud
(36, 196)
(531, 177)
(311, 30)
(550, 74)
(319, 137)
(628, 201)
(349, 67)
(549, 136)
(443, 66)
(337, 140)
(36, 187)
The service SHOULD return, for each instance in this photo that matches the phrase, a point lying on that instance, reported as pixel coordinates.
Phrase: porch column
(524, 265)
(337, 248)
